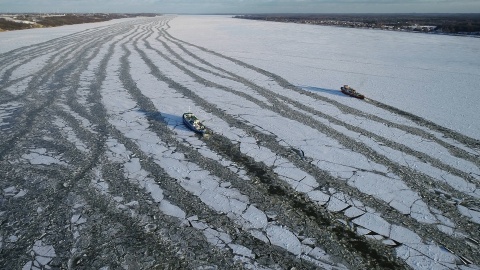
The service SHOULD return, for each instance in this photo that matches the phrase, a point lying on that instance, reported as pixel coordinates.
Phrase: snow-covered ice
(285, 152)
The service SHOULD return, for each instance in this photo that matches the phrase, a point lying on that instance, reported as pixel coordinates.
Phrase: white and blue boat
(192, 122)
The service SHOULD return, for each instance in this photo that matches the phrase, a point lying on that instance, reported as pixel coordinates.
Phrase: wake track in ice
(284, 178)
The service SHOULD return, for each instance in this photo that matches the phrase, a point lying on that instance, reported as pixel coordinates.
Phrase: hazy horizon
(240, 6)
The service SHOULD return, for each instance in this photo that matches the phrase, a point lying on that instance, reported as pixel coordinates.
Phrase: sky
(242, 6)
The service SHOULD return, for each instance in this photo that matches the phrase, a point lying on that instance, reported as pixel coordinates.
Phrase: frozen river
(99, 172)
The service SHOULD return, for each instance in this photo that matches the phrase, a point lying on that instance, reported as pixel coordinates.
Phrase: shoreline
(439, 24)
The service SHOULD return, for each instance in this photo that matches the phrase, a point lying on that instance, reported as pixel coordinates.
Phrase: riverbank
(451, 24)
(11, 22)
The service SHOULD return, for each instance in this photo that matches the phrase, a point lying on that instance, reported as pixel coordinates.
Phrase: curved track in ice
(99, 170)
